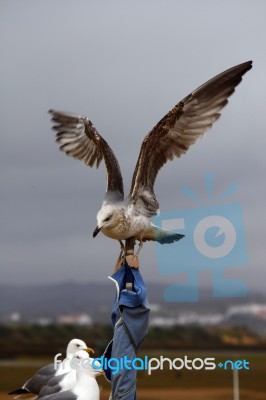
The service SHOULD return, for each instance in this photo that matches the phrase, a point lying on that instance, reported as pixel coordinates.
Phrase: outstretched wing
(178, 130)
(78, 138)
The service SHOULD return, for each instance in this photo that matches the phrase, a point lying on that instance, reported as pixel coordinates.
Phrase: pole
(131, 258)
(236, 384)
(129, 248)
(129, 254)
(130, 318)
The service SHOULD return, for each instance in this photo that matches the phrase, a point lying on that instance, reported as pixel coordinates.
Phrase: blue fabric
(128, 298)
(130, 318)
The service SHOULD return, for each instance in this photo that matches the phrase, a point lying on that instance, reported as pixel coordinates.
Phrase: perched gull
(172, 136)
(85, 386)
(43, 375)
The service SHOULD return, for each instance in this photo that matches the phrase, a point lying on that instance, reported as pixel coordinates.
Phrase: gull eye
(108, 218)
(77, 345)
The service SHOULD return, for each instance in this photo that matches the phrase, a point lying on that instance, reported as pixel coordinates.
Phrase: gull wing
(78, 138)
(178, 130)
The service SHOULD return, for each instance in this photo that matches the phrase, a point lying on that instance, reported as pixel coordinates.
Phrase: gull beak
(89, 350)
(96, 231)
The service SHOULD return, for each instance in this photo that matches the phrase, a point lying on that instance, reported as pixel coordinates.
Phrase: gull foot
(132, 260)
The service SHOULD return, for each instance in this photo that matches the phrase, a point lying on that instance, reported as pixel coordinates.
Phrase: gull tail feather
(23, 394)
(162, 235)
(20, 391)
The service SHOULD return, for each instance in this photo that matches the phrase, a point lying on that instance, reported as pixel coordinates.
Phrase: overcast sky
(123, 64)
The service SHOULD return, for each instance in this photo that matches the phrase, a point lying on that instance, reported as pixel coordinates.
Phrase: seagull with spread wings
(121, 218)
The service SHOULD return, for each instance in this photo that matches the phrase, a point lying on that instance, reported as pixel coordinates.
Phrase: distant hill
(66, 298)
(96, 300)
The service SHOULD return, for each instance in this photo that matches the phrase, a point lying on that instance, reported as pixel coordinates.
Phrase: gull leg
(121, 257)
(140, 247)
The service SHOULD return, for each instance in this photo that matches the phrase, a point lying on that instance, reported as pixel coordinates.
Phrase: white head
(107, 218)
(84, 364)
(75, 345)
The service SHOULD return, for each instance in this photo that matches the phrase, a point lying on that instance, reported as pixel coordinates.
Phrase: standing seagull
(172, 136)
(85, 387)
(41, 378)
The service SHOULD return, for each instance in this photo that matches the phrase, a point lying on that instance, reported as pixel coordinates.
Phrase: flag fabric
(130, 318)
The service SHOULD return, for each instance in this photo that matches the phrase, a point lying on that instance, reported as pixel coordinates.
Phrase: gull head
(76, 345)
(108, 218)
(83, 363)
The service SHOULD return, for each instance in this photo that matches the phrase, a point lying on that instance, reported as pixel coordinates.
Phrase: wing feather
(79, 139)
(179, 129)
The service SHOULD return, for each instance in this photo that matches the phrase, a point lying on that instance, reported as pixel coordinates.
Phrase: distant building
(43, 321)
(189, 318)
(252, 309)
(14, 317)
(74, 319)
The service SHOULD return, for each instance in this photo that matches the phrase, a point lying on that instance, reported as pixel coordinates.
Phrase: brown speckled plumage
(170, 138)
